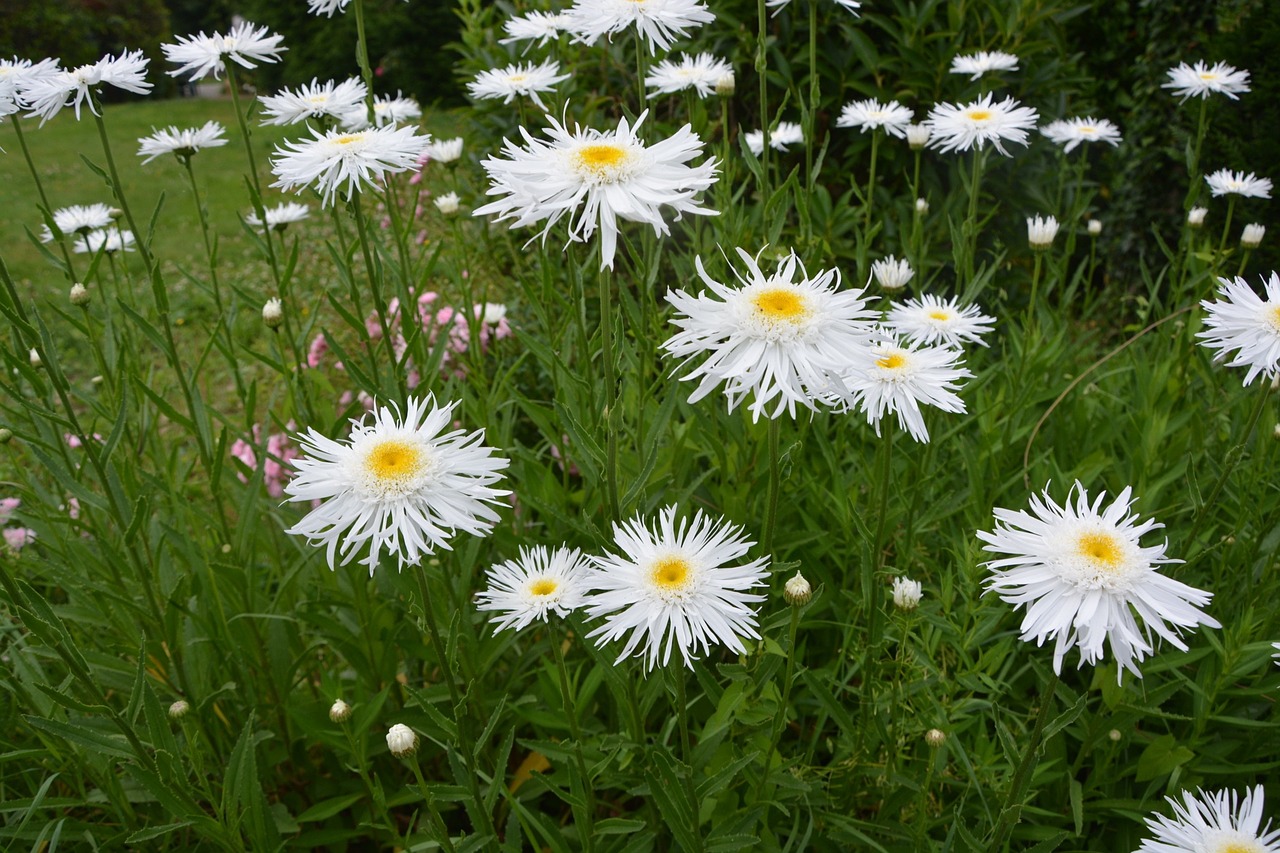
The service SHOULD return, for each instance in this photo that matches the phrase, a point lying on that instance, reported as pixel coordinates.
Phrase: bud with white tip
(79, 295)
(922, 206)
(1095, 227)
(34, 358)
(179, 709)
(447, 203)
(273, 313)
(907, 593)
(1041, 231)
(726, 85)
(1251, 237)
(1195, 216)
(935, 737)
(1114, 735)
(6, 435)
(339, 711)
(891, 273)
(797, 591)
(402, 740)
(917, 136)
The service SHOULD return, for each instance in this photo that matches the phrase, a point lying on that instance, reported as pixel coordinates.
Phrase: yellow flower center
(349, 138)
(939, 314)
(1088, 130)
(1273, 316)
(670, 574)
(543, 587)
(601, 161)
(393, 461)
(1101, 549)
(1208, 75)
(1239, 846)
(517, 78)
(779, 304)
(892, 361)
(979, 115)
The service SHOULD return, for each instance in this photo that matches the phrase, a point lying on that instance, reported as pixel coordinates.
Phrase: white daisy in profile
(700, 73)
(541, 27)
(1240, 321)
(181, 143)
(660, 22)
(246, 44)
(17, 75)
(1227, 182)
(1200, 80)
(930, 320)
(870, 114)
(848, 5)
(108, 240)
(892, 273)
(333, 161)
(328, 7)
(1041, 230)
(47, 95)
(281, 215)
(959, 127)
(79, 219)
(521, 79)
(399, 109)
(535, 586)
(782, 137)
(674, 588)
(1083, 575)
(1213, 822)
(977, 64)
(444, 150)
(779, 338)
(890, 376)
(329, 101)
(1070, 132)
(595, 178)
(403, 486)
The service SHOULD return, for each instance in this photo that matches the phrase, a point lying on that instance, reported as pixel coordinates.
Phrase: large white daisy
(48, 94)
(541, 582)
(977, 64)
(781, 339)
(1072, 131)
(931, 320)
(1213, 822)
(782, 137)
(245, 44)
(700, 73)
(1227, 182)
(870, 114)
(1083, 575)
(959, 127)
(333, 161)
(1240, 321)
(182, 143)
(402, 486)
(520, 79)
(1200, 80)
(660, 22)
(596, 178)
(893, 376)
(334, 102)
(79, 219)
(675, 588)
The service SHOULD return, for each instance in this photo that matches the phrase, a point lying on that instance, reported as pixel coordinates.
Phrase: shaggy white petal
(1243, 322)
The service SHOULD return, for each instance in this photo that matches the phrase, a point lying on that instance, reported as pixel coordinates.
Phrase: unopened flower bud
(891, 273)
(115, 213)
(797, 591)
(6, 435)
(1251, 237)
(447, 203)
(1114, 734)
(339, 711)
(1095, 227)
(272, 313)
(907, 593)
(935, 737)
(402, 741)
(1041, 231)
(922, 206)
(179, 709)
(34, 358)
(79, 294)
(917, 135)
(726, 85)
(1195, 216)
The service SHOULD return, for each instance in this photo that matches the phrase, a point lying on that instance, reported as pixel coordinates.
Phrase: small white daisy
(775, 337)
(977, 64)
(959, 127)
(848, 5)
(1082, 574)
(889, 376)
(782, 137)
(79, 219)
(1200, 80)
(870, 114)
(1242, 322)
(673, 587)
(245, 44)
(535, 586)
(1213, 822)
(521, 79)
(1070, 132)
(542, 27)
(332, 161)
(395, 110)
(907, 593)
(281, 215)
(444, 150)
(333, 102)
(1251, 236)
(700, 73)
(891, 273)
(182, 143)
(447, 203)
(1227, 182)
(109, 240)
(403, 485)
(595, 178)
(1041, 231)
(660, 22)
(930, 320)
(48, 94)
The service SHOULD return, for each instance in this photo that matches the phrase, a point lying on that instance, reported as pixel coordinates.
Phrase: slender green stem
(811, 132)
(761, 67)
(780, 715)
(1220, 255)
(1010, 814)
(117, 190)
(436, 819)
(642, 71)
(775, 483)
(871, 181)
(373, 271)
(611, 413)
(1032, 305)
(566, 693)
(44, 199)
(256, 200)
(1187, 241)
(970, 227)
(886, 477)
(678, 675)
(362, 58)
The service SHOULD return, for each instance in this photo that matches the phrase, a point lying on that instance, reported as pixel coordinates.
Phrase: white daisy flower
(891, 273)
(109, 240)
(397, 110)
(889, 376)
(907, 593)
(673, 587)
(1251, 236)
(1041, 231)
(444, 150)
(959, 127)
(1242, 322)
(1227, 182)
(534, 587)
(48, 94)
(782, 137)
(660, 22)
(182, 143)
(774, 337)
(542, 27)
(335, 102)
(977, 64)
(1200, 80)
(79, 219)
(328, 7)
(848, 5)
(246, 44)
(870, 114)
(402, 485)
(17, 75)
(1083, 575)
(513, 81)
(700, 73)
(330, 161)
(1218, 822)
(281, 215)
(447, 203)
(595, 178)
(1070, 132)
(930, 320)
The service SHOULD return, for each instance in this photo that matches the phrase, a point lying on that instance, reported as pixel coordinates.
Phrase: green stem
(811, 132)
(678, 675)
(256, 199)
(362, 58)
(436, 819)
(780, 716)
(610, 394)
(761, 66)
(871, 179)
(1012, 810)
(44, 199)
(775, 484)
(1220, 255)
(1035, 286)
(379, 299)
(566, 694)
(971, 221)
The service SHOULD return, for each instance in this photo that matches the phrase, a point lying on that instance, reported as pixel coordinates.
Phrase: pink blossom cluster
(15, 538)
(275, 470)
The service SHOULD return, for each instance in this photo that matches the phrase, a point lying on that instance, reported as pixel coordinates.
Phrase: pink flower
(73, 508)
(73, 441)
(7, 506)
(318, 348)
(279, 451)
(18, 538)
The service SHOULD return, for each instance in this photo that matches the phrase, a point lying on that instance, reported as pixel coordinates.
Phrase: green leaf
(1161, 756)
(102, 743)
(328, 808)
(155, 832)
